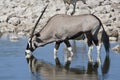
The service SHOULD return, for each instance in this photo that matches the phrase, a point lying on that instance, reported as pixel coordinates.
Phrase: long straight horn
(38, 21)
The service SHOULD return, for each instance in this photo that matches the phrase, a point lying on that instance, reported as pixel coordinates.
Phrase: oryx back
(60, 27)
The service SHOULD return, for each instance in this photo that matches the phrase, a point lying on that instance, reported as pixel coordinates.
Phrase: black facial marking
(29, 46)
(37, 34)
(38, 40)
(35, 45)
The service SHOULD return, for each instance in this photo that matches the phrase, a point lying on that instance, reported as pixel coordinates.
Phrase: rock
(14, 21)
(103, 9)
(21, 15)
(93, 3)
(113, 39)
(116, 48)
(1, 34)
(106, 2)
(5, 27)
(113, 33)
(116, 1)
(13, 38)
(21, 33)
(119, 37)
(83, 11)
(3, 18)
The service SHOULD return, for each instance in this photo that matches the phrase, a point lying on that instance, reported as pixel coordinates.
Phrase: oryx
(73, 2)
(62, 28)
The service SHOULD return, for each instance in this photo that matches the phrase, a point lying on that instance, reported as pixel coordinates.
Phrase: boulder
(113, 39)
(112, 33)
(14, 21)
(1, 34)
(23, 14)
(116, 1)
(116, 48)
(93, 3)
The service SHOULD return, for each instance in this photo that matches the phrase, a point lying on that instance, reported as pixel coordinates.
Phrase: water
(14, 65)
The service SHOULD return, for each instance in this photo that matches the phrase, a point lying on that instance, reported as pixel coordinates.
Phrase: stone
(116, 48)
(119, 37)
(112, 33)
(14, 21)
(23, 14)
(1, 34)
(113, 39)
(93, 3)
(3, 18)
(116, 1)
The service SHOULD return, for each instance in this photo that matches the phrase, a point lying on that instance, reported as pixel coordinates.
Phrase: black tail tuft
(106, 41)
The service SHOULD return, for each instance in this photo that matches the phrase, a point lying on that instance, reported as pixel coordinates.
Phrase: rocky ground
(116, 48)
(19, 16)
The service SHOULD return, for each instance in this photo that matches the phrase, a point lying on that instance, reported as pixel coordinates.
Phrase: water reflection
(41, 70)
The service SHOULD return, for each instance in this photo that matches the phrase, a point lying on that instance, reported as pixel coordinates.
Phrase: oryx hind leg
(57, 44)
(90, 45)
(98, 50)
(98, 44)
(68, 57)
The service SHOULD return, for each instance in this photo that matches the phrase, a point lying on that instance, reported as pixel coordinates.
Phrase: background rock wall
(19, 16)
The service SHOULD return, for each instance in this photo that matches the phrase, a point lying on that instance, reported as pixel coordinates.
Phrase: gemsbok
(73, 2)
(62, 28)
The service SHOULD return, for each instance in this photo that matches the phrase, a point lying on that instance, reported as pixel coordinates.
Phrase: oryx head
(31, 46)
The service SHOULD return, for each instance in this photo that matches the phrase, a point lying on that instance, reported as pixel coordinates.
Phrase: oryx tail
(105, 40)
(105, 37)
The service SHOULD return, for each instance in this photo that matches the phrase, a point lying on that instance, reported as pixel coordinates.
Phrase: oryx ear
(37, 34)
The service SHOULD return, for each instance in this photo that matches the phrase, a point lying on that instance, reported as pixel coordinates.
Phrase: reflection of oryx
(62, 28)
(45, 71)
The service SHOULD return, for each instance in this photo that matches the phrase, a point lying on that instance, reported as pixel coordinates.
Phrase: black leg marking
(95, 42)
(67, 43)
(57, 45)
(95, 39)
(89, 38)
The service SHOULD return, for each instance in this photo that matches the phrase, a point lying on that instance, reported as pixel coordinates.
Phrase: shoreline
(19, 17)
(15, 38)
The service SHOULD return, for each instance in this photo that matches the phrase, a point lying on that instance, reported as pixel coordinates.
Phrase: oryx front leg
(57, 44)
(69, 57)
